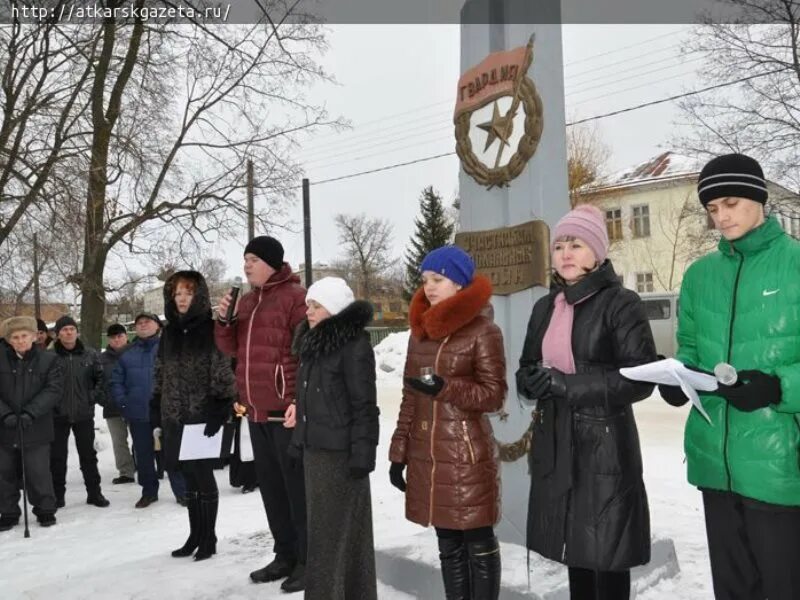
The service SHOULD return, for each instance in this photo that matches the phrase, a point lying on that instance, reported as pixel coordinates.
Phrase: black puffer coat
(336, 397)
(109, 358)
(588, 505)
(84, 382)
(33, 385)
(193, 379)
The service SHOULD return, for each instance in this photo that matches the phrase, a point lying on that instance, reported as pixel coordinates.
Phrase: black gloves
(756, 390)
(359, 472)
(542, 382)
(213, 424)
(24, 420)
(673, 394)
(431, 389)
(396, 476)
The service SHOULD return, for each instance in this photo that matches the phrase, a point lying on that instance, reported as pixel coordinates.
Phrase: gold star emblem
(500, 127)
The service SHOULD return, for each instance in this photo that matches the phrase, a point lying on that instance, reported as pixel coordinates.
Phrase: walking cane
(24, 480)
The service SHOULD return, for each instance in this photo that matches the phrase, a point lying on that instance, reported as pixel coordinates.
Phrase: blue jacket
(132, 379)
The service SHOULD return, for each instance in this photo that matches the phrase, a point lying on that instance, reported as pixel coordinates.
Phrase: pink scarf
(557, 341)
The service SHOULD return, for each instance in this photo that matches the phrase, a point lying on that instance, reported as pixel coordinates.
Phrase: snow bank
(390, 358)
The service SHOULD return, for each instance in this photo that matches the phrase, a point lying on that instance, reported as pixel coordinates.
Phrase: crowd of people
(297, 364)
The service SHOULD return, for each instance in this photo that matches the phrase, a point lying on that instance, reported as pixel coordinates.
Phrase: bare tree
(587, 157)
(367, 244)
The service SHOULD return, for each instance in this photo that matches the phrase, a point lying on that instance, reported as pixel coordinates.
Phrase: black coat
(84, 382)
(588, 505)
(109, 359)
(33, 385)
(336, 397)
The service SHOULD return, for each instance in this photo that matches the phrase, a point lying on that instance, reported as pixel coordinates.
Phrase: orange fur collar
(437, 322)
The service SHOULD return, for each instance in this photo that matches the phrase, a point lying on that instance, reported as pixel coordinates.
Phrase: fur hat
(732, 175)
(452, 262)
(13, 324)
(332, 293)
(587, 223)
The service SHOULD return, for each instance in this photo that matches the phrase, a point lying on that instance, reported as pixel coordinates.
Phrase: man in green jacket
(741, 305)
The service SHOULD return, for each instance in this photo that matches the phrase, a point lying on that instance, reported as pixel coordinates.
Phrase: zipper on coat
(247, 354)
(469, 442)
(433, 432)
(728, 360)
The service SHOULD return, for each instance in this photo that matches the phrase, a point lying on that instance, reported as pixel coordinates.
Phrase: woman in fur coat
(194, 384)
(336, 435)
(443, 433)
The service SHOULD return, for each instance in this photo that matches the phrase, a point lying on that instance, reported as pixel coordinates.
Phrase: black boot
(193, 506)
(209, 503)
(484, 566)
(455, 568)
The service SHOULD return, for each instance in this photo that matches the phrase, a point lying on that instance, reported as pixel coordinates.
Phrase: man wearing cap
(42, 335)
(260, 337)
(117, 427)
(84, 386)
(131, 389)
(741, 305)
(30, 385)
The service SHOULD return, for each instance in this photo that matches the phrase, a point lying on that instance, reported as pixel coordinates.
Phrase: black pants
(467, 535)
(754, 548)
(84, 441)
(38, 480)
(199, 476)
(585, 584)
(241, 473)
(282, 489)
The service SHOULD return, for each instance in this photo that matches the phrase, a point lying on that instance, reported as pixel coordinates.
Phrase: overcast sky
(396, 84)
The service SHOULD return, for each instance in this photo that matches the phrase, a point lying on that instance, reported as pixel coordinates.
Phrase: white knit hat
(332, 293)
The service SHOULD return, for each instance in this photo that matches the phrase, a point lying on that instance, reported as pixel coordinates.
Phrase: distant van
(662, 311)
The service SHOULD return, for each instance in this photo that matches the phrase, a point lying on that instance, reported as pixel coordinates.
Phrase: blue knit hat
(452, 262)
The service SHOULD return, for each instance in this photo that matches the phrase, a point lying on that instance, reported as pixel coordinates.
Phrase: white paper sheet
(245, 445)
(195, 445)
(673, 372)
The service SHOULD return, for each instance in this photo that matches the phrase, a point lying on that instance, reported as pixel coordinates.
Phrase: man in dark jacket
(30, 384)
(131, 389)
(42, 335)
(260, 337)
(117, 427)
(84, 386)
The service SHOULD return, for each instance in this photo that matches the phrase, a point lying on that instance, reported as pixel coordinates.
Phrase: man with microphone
(258, 331)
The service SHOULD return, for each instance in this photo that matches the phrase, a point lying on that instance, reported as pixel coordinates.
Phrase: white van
(662, 311)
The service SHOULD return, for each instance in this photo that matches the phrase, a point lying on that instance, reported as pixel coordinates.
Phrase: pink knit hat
(587, 223)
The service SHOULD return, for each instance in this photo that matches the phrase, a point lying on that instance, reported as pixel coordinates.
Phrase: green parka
(741, 305)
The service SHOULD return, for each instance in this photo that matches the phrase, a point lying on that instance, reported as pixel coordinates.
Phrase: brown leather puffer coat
(446, 440)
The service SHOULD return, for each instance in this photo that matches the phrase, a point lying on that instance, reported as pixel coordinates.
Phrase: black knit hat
(41, 325)
(732, 175)
(65, 321)
(116, 329)
(267, 249)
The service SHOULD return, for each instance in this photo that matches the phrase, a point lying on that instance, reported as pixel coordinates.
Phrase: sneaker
(277, 569)
(46, 519)
(296, 581)
(123, 479)
(8, 521)
(146, 501)
(98, 500)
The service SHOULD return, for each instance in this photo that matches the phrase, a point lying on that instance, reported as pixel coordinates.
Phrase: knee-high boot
(484, 567)
(193, 507)
(455, 568)
(209, 504)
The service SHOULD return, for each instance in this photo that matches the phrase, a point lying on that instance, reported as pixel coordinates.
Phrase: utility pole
(251, 217)
(37, 301)
(307, 229)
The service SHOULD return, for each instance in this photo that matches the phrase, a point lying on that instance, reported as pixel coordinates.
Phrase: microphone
(237, 286)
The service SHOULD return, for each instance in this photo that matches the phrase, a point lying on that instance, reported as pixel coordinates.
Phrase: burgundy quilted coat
(446, 440)
(261, 338)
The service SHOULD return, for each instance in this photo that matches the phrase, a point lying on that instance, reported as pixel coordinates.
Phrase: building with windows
(656, 224)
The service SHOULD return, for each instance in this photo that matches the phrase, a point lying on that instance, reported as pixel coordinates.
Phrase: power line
(385, 168)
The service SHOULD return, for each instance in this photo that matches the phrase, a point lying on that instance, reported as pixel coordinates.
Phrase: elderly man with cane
(30, 386)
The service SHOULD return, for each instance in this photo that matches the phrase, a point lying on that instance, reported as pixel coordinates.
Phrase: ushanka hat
(732, 175)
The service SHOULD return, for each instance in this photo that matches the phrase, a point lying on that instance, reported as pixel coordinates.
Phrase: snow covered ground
(123, 553)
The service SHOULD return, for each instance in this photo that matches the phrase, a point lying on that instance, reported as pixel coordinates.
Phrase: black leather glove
(25, 420)
(673, 395)
(10, 422)
(543, 382)
(213, 424)
(432, 389)
(359, 472)
(396, 476)
(757, 390)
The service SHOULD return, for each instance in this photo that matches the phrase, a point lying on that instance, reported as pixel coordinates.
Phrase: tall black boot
(455, 568)
(484, 567)
(193, 506)
(209, 503)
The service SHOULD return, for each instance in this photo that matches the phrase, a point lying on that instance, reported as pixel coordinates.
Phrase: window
(641, 221)
(656, 310)
(395, 307)
(644, 282)
(614, 224)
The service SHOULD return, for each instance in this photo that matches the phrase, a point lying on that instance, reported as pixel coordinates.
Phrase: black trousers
(38, 480)
(282, 486)
(84, 441)
(754, 548)
(585, 584)
(199, 476)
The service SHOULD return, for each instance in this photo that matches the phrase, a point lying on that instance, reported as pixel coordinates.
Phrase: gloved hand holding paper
(673, 372)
